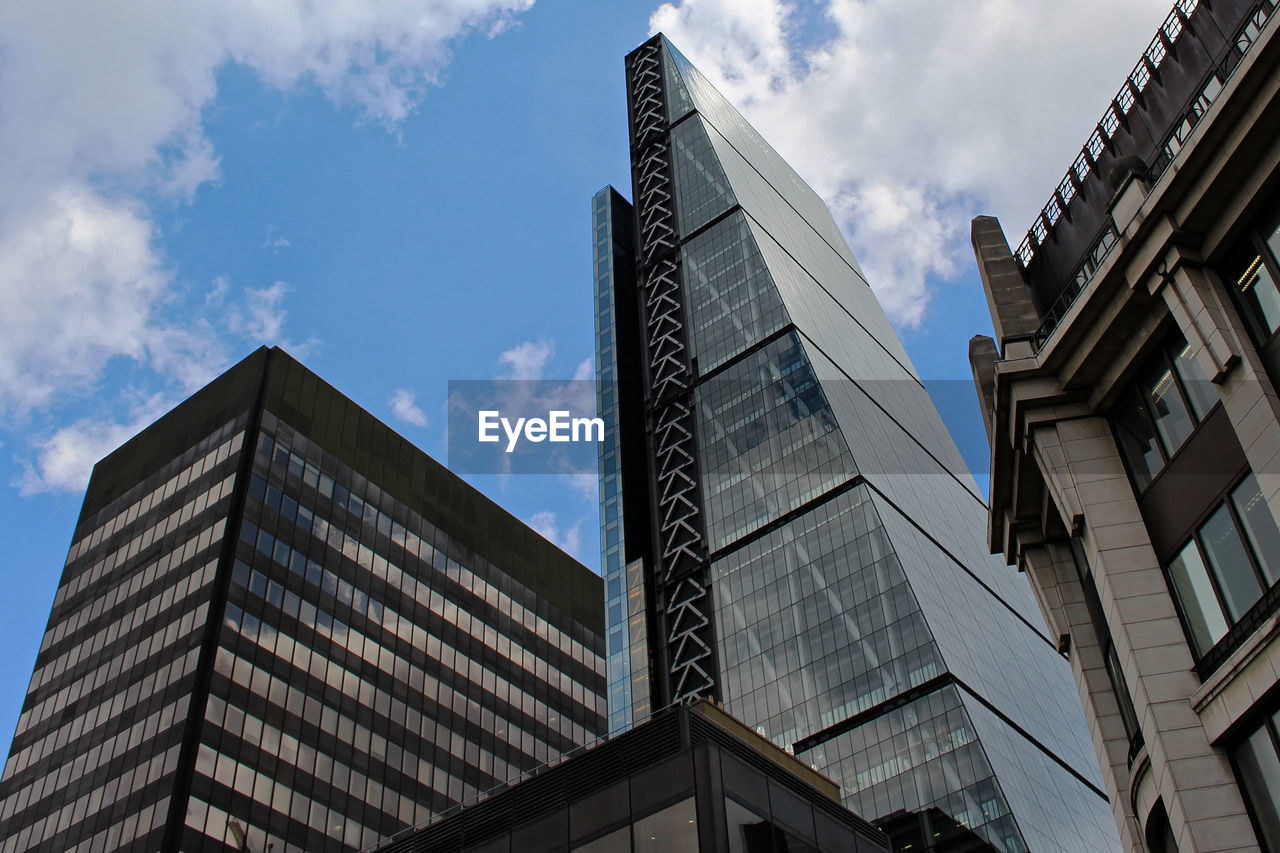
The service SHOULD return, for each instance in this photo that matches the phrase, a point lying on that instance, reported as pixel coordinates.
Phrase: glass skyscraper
(812, 546)
(281, 625)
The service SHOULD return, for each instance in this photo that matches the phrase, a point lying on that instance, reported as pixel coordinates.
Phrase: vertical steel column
(681, 579)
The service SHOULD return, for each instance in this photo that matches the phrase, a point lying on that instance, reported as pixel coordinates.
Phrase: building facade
(1131, 401)
(814, 555)
(281, 626)
(690, 779)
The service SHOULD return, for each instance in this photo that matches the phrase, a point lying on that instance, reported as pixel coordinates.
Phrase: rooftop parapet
(1171, 88)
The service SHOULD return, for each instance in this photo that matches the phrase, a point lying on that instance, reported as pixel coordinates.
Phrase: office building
(802, 536)
(282, 627)
(1131, 401)
(690, 779)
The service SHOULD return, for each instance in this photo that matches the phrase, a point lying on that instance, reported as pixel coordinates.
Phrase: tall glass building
(814, 550)
(281, 626)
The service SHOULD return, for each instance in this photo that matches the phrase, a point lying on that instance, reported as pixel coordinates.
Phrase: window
(1167, 402)
(672, 830)
(1231, 560)
(1111, 660)
(1252, 275)
(1257, 763)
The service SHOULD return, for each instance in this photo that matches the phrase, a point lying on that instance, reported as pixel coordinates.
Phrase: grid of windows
(99, 736)
(371, 672)
(732, 301)
(702, 193)
(926, 752)
(768, 441)
(628, 681)
(818, 623)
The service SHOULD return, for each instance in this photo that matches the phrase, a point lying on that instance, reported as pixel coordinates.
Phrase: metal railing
(1160, 47)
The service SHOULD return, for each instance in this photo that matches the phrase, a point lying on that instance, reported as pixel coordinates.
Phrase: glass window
(1231, 565)
(1168, 400)
(1257, 291)
(1258, 765)
(1166, 406)
(1228, 564)
(1201, 393)
(1137, 439)
(614, 842)
(672, 830)
(1200, 606)
(1259, 525)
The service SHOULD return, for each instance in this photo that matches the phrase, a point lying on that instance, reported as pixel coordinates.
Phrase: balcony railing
(1147, 68)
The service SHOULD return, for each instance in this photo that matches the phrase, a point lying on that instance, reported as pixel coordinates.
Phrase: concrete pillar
(1012, 312)
(1083, 468)
(1051, 570)
(983, 356)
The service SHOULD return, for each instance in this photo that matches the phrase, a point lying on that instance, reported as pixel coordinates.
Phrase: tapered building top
(817, 557)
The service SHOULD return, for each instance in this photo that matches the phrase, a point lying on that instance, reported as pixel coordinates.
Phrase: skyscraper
(813, 548)
(282, 624)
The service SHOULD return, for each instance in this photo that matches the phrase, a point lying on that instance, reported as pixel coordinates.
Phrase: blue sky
(399, 194)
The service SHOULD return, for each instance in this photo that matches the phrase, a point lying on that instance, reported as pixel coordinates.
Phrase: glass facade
(627, 643)
(858, 615)
(96, 752)
(282, 650)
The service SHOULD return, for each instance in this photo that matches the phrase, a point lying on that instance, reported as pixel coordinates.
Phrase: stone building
(1131, 403)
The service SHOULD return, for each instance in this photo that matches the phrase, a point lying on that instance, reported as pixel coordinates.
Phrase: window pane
(1128, 716)
(672, 830)
(1258, 293)
(1259, 526)
(1164, 401)
(748, 832)
(1199, 604)
(614, 842)
(1260, 773)
(1137, 439)
(1201, 392)
(1225, 549)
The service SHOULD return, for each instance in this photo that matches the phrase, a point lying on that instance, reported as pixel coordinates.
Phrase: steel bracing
(680, 582)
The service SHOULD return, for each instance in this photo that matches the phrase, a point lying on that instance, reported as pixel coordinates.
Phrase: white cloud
(104, 107)
(568, 541)
(912, 116)
(529, 359)
(403, 407)
(65, 458)
(261, 320)
(79, 281)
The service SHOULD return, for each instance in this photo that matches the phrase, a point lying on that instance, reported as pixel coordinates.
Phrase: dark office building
(689, 780)
(811, 550)
(281, 626)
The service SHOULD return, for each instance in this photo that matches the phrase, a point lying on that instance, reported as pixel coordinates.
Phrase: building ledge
(1241, 680)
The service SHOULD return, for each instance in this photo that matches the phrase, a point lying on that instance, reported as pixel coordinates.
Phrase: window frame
(1208, 660)
(1163, 355)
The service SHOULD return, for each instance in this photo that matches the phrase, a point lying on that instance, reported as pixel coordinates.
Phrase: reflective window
(1225, 568)
(672, 830)
(1167, 401)
(1257, 762)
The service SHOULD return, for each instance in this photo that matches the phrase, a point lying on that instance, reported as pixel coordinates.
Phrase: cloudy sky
(398, 193)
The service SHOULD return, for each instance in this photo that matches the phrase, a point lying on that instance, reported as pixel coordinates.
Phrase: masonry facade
(281, 624)
(1130, 396)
